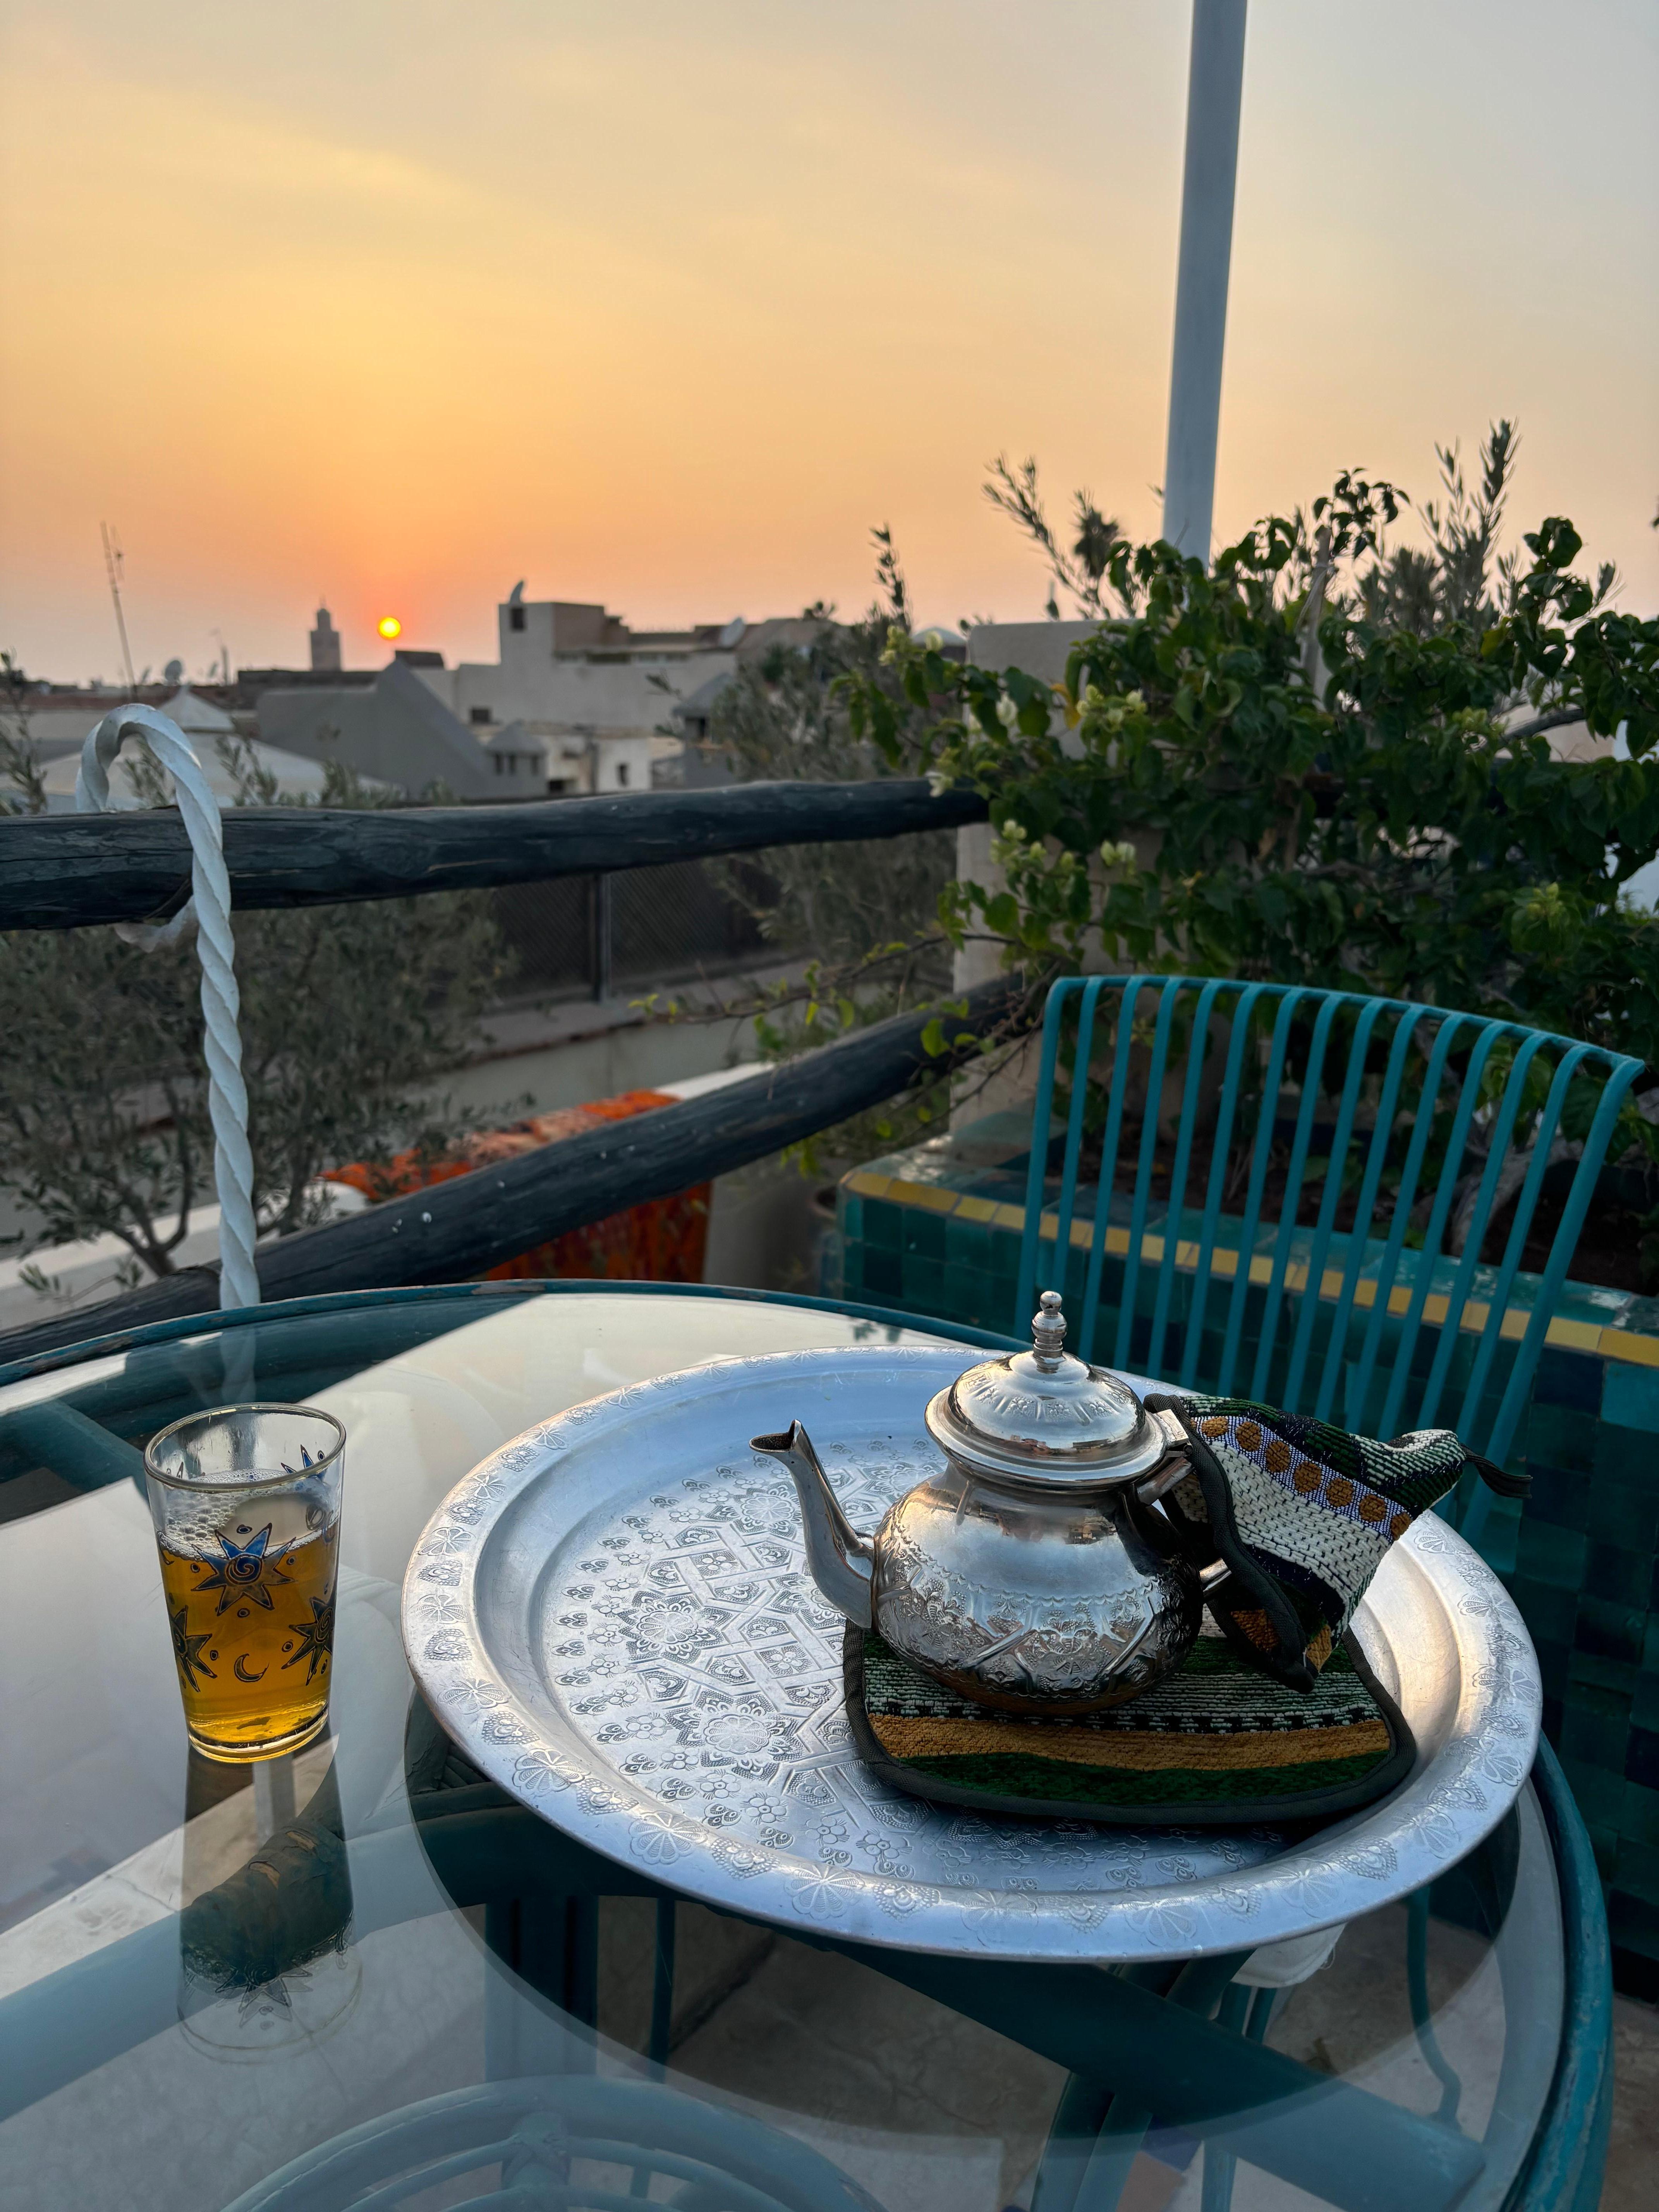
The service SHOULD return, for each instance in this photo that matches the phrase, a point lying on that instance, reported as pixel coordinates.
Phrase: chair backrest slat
(1196, 1052)
(1054, 1017)
(1376, 1154)
(1515, 1243)
(1369, 1011)
(1109, 1143)
(1501, 1434)
(1075, 1120)
(1329, 1315)
(1149, 1122)
(1501, 1129)
(1239, 1305)
(1434, 1234)
(1292, 1198)
(1405, 1199)
(1216, 1188)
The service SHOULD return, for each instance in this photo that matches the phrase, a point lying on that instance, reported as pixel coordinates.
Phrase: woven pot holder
(1217, 1743)
(1302, 1514)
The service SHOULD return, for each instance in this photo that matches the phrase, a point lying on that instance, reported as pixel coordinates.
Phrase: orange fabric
(663, 1241)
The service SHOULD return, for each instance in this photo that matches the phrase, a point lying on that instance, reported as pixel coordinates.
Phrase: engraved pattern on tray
(695, 1656)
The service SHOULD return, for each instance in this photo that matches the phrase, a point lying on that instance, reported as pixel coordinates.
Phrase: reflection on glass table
(362, 1969)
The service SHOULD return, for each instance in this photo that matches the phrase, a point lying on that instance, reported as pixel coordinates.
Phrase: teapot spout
(842, 1562)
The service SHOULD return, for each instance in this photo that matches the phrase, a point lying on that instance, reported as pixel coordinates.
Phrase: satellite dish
(515, 597)
(733, 630)
(174, 673)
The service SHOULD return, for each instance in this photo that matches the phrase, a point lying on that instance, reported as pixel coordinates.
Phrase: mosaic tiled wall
(932, 1235)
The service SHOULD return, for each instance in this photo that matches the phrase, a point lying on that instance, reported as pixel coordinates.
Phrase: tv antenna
(113, 558)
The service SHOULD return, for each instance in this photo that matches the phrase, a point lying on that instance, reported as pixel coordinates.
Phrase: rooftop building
(588, 696)
(577, 702)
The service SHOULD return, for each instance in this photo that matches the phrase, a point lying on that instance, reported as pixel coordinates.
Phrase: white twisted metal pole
(209, 910)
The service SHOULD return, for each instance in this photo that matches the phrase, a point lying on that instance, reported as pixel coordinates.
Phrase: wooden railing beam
(453, 1230)
(66, 870)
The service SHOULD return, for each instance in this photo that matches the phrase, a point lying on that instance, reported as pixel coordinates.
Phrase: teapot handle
(1176, 1458)
(1152, 1524)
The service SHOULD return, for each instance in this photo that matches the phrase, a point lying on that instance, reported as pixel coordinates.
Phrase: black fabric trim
(1497, 1478)
(1313, 1809)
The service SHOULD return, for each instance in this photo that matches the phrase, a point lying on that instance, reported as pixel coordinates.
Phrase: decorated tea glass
(246, 1501)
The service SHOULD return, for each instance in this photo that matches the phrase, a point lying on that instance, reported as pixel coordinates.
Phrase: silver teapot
(1035, 1573)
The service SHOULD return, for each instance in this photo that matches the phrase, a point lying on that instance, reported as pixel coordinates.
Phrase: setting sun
(389, 627)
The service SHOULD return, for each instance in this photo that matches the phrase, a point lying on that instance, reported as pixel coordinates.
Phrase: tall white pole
(1214, 83)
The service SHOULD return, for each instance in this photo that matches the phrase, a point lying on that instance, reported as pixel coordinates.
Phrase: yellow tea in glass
(246, 1501)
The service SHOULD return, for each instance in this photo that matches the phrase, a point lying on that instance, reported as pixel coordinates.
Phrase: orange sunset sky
(665, 305)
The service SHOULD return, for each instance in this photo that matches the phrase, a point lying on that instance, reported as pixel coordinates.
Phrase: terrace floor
(1635, 2144)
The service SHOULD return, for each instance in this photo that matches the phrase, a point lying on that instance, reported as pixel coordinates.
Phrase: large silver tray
(612, 1618)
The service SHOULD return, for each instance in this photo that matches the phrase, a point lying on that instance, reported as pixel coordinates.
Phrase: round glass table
(363, 1976)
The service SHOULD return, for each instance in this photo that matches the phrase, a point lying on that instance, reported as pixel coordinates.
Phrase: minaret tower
(324, 646)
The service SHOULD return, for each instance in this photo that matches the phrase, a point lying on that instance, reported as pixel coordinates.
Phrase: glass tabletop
(362, 1970)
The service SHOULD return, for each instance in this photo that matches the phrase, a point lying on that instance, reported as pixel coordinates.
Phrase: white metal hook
(208, 911)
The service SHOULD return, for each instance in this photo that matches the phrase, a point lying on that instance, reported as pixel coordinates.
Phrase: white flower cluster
(1012, 845)
(1112, 713)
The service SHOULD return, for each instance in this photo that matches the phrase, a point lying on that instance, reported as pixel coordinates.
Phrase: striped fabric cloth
(1302, 1514)
(1218, 1741)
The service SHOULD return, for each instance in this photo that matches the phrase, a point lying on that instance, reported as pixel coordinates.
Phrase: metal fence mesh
(597, 933)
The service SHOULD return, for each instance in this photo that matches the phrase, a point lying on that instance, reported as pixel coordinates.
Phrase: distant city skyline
(665, 308)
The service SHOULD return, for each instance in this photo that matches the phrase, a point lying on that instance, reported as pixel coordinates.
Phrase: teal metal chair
(1291, 1198)
(1238, 1124)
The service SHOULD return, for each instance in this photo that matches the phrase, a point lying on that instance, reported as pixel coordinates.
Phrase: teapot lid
(1047, 1417)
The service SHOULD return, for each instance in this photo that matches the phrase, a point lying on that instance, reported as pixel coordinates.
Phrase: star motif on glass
(187, 1651)
(245, 1572)
(316, 1635)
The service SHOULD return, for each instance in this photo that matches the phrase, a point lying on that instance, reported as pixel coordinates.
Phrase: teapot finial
(1048, 1332)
